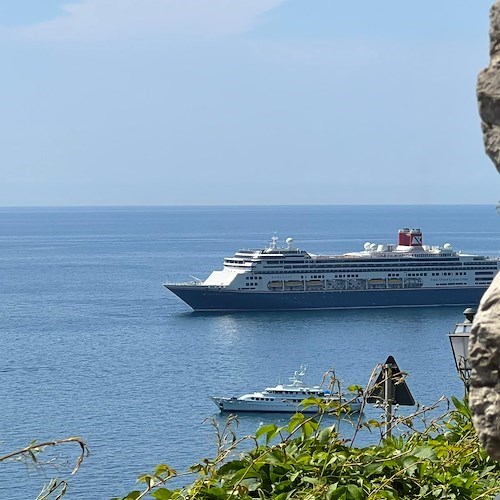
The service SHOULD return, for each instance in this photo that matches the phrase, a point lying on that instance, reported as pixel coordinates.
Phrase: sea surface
(92, 344)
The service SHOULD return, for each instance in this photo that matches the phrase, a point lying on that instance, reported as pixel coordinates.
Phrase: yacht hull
(277, 406)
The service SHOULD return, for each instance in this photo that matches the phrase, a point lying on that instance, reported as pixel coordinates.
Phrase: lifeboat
(275, 285)
(315, 284)
(293, 284)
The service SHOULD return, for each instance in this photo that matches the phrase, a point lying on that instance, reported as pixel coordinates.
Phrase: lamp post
(459, 341)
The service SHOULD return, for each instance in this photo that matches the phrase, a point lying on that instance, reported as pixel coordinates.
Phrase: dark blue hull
(202, 298)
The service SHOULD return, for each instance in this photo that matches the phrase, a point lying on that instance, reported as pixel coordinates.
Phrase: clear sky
(213, 102)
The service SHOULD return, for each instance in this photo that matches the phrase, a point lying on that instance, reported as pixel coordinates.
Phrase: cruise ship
(406, 274)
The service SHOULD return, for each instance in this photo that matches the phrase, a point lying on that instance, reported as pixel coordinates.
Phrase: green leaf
(374, 469)
(422, 468)
(216, 492)
(355, 492)
(234, 465)
(145, 478)
(325, 435)
(308, 428)
(162, 494)
(162, 470)
(251, 483)
(264, 429)
(295, 421)
(372, 423)
(355, 388)
(390, 464)
(335, 491)
(270, 430)
(133, 495)
(311, 480)
(425, 452)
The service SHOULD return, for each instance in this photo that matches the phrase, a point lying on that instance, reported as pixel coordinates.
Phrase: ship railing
(190, 283)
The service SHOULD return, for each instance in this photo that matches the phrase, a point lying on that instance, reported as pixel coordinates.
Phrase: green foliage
(444, 461)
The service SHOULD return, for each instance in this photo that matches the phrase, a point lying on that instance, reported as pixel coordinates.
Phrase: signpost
(388, 389)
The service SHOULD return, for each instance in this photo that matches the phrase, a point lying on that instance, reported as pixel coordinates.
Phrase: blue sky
(212, 102)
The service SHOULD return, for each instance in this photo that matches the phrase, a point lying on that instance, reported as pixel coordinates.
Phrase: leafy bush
(305, 460)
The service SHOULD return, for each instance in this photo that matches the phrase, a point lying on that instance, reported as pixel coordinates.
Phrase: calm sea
(93, 345)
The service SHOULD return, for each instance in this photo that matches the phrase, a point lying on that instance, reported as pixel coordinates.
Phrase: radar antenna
(274, 242)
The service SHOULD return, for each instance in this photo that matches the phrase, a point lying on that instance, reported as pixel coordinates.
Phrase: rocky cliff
(484, 347)
(488, 91)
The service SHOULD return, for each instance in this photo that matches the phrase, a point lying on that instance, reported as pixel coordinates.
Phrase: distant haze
(213, 102)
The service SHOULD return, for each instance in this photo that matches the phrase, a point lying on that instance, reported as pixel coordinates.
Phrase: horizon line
(263, 205)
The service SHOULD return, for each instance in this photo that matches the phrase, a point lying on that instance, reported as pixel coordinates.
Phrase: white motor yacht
(288, 398)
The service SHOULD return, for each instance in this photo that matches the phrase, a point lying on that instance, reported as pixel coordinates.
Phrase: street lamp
(459, 340)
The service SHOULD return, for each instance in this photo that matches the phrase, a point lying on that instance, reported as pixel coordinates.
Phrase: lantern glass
(459, 340)
(460, 348)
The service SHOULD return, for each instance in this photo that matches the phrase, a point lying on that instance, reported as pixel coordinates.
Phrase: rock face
(484, 357)
(484, 342)
(488, 91)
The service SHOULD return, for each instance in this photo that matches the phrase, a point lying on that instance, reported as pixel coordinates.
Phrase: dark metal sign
(390, 386)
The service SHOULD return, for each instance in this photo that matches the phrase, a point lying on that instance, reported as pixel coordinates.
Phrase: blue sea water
(92, 345)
